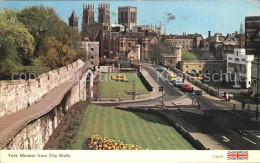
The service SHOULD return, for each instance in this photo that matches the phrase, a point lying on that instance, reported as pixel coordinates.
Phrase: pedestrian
(243, 104)
(227, 97)
(118, 96)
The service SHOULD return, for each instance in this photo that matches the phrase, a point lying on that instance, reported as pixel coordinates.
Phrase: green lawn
(109, 88)
(146, 130)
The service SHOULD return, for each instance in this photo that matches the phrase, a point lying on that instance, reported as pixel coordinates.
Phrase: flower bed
(97, 142)
(119, 77)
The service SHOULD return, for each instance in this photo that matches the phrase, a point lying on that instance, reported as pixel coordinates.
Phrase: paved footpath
(11, 124)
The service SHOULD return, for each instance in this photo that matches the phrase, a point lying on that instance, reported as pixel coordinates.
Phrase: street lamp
(199, 93)
(133, 93)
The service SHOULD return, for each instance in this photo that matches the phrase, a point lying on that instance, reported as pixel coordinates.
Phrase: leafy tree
(58, 54)
(186, 55)
(13, 30)
(161, 48)
(40, 22)
(8, 59)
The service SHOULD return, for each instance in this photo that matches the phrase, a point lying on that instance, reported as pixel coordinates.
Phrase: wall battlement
(16, 95)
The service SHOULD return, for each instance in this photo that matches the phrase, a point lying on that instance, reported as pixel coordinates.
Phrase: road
(228, 129)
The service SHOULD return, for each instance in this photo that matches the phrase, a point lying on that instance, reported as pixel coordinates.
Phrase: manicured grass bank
(146, 130)
(109, 88)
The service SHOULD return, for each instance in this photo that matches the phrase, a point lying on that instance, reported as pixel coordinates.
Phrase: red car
(186, 88)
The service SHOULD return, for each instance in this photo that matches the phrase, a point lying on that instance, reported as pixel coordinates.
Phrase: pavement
(11, 124)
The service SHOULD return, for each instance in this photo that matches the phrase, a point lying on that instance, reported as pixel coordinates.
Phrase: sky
(191, 16)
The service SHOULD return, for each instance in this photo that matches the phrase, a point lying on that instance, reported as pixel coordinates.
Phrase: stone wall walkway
(11, 124)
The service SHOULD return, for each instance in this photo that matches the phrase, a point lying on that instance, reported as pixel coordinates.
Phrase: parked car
(177, 83)
(236, 86)
(186, 88)
(159, 68)
(172, 77)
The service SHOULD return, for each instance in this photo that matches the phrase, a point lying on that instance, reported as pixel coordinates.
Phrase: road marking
(248, 140)
(225, 139)
(258, 136)
(232, 131)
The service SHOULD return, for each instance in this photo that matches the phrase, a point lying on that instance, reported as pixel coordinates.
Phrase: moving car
(172, 77)
(159, 68)
(177, 83)
(186, 88)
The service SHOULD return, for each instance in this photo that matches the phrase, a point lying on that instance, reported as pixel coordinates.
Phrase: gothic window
(101, 18)
(134, 15)
(126, 21)
(87, 19)
(122, 17)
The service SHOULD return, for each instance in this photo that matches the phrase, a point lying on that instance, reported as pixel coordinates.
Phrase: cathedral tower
(104, 16)
(73, 20)
(88, 15)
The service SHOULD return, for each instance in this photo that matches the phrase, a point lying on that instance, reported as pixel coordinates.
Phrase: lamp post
(133, 93)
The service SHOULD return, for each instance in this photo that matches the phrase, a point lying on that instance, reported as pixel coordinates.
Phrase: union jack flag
(237, 155)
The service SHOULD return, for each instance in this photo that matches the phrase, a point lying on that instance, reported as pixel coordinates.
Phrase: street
(228, 129)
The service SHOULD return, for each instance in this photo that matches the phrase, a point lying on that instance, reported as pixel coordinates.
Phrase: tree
(8, 59)
(40, 22)
(161, 48)
(186, 55)
(13, 30)
(58, 54)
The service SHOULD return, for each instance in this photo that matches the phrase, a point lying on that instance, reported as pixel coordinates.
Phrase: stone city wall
(16, 95)
(36, 133)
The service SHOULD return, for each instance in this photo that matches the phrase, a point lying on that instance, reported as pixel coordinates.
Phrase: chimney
(236, 32)
(209, 34)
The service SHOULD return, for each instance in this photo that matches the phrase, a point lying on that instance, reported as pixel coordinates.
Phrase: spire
(241, 30)
(73, 15)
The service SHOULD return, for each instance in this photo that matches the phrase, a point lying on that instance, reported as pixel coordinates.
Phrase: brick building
(185, 41)
(119, 44)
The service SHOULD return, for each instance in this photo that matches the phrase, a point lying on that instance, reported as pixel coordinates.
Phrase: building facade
(92, 49)
(252, 34)
(119, 44)
(127, 16)
(203, 66)
(184, 41)
(239, 68)
(256, 76)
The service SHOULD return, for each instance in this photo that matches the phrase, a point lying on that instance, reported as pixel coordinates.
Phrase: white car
(236, 86)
